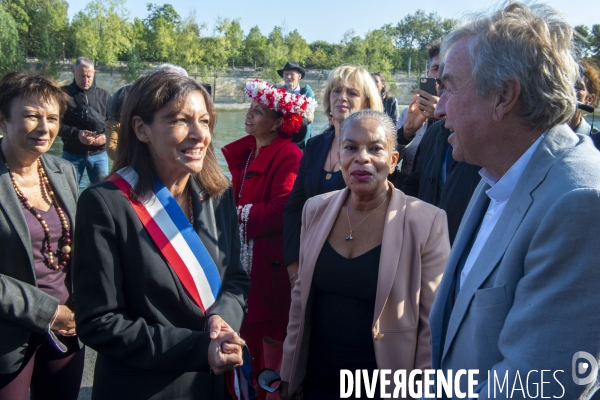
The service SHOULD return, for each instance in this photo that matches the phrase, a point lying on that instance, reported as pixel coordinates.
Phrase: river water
(230, 127)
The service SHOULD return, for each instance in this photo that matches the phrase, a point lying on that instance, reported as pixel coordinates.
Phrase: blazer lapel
(58, 180)
(390, 250)
(12, 207)
(506, 227)
(469, 224)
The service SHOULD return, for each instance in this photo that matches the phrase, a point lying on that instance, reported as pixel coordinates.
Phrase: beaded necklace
(244, 174)
(62, 256)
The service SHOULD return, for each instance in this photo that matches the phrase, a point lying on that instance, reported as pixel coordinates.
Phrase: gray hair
(531, 44)
(176, 69)
(86, 62)
(384, 120)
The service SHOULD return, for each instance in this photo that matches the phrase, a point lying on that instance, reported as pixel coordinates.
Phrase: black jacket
(131, 308)
(305, 187)
(425, 182)
(87, 110)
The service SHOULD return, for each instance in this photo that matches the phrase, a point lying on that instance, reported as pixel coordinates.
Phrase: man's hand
(427, 103)
(85, 138)
(225, 352)
(414, 119)
(64, 323)
(99, 140)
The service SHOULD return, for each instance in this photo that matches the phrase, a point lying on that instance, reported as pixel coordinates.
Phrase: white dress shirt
(499, 194)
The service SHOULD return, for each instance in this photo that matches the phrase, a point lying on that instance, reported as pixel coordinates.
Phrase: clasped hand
(64, 323)
(225, 348)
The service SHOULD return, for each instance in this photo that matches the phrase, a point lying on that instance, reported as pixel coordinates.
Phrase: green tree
(134, 65)
(276, 54)
(161, 32)
(298, 49)
(102, 31)
(414, 33)
(379, 51)
(40, 21)
(253, 48)
(324, 55)
(11, 57)
(188, 49)
(587, 42)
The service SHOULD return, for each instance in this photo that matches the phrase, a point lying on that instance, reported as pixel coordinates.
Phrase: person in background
(292, 73)
(437, 178)
(416, 118)
(348, 90)
(83, 129)
(116, 104)
(390, 103)
(527, 240)
(371, 260)
(587, 89)
(263, 167)
(39, 350)
(158, 279)
(113, 120)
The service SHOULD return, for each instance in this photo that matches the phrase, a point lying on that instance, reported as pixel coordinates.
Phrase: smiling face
(366, 157)
(178, 141)
(84, 76)
(31, 127)
(346, 100)
(468, 115)
(261, 122)
(291, 77)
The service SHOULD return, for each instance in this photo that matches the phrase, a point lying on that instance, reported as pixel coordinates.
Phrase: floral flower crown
(292, 106)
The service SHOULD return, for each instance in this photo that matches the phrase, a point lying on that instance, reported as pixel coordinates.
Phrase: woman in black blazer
(348, 89)
(39, 352)
(156, 336)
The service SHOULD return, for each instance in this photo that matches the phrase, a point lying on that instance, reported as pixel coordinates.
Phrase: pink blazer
(413, 256)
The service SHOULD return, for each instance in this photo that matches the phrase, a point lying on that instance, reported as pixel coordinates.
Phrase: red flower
(292, 123)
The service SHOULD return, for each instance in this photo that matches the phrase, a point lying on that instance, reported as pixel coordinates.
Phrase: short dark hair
(433, 49)
(26, 85)
(147, 96)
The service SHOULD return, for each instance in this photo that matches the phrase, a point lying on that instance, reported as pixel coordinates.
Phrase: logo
(590, 366)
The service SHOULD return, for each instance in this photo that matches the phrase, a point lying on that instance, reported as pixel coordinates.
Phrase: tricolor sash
(175, 237)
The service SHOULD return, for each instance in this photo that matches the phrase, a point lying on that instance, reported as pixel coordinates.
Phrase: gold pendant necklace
(330, 172)
(350, 237)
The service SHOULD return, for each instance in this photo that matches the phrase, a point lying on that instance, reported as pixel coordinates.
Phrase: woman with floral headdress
(263, 167)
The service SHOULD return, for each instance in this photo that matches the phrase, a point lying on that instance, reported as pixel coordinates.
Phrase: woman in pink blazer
(371, 260)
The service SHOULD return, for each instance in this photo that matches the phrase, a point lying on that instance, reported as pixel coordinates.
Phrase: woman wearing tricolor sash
(158, 282)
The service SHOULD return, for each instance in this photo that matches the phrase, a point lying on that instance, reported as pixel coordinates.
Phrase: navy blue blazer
(305, 187)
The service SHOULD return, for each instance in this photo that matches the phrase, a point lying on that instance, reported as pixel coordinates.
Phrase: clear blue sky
(329, 19)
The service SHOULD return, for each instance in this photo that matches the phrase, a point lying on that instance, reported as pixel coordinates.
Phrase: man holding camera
(82, 129)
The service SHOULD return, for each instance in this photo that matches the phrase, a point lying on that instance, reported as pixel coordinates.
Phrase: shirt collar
(583, 128)
(501, 189)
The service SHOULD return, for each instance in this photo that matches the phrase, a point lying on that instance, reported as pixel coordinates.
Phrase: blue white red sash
(175, 237)
(239, 381)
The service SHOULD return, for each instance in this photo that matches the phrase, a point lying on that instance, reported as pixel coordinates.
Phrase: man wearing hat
(291, 73)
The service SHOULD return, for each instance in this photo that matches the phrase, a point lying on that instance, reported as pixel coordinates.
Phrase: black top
(343, 303)
(305, 187)
(329, 185)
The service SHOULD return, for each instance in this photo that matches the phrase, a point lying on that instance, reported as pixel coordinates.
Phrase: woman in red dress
(263, 168)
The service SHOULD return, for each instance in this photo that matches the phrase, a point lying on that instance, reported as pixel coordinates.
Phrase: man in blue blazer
(519, 298)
